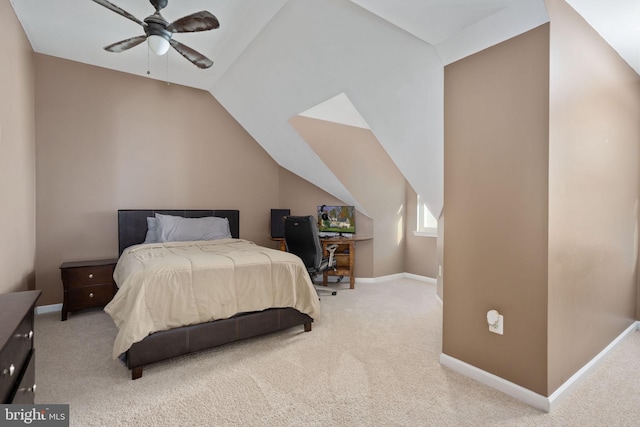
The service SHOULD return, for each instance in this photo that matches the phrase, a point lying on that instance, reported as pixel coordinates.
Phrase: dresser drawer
(89, 296)
(14, 355)
(83, 276)
(26, 390)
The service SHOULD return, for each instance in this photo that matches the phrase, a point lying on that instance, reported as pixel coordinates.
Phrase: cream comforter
(167, 285)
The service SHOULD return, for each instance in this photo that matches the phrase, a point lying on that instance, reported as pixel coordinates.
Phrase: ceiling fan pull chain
(148, 49)
(167, 70)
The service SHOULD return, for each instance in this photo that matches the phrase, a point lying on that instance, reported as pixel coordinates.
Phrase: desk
(345, 256)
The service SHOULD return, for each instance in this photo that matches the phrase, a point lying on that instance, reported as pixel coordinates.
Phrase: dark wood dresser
(17, 353)
(87, 284)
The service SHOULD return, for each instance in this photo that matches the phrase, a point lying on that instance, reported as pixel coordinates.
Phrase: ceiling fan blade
(199, 21)
(196, 58)
(123, 45)
(119, 11)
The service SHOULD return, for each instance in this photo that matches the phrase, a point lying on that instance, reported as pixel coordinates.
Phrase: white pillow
(179, 229)
(152, 230)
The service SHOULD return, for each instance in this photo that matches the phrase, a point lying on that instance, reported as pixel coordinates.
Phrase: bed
(192, 337)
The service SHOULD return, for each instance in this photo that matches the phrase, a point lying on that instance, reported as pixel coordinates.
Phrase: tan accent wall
(108, 140)
(541, 201)
(594, 175)
(17, 156)
(358, 160)
(495, 197)
(421, 252)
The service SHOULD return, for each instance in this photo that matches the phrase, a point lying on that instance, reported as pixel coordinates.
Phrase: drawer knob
(90, 275)
(91, 295)
(31, 389)
(10, 371)
(28, 335)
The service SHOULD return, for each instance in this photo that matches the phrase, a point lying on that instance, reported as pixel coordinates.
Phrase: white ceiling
(259, 82)
(78, 29)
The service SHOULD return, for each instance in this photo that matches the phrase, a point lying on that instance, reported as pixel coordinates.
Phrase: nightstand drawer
(89, 296)
(86, 276)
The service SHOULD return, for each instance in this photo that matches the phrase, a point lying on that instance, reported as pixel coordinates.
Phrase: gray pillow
(152, 230)
(178, 229)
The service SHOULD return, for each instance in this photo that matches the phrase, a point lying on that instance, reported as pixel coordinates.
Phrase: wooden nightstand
(87, 284)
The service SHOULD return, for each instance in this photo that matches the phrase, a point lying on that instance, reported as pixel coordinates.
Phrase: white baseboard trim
(381, 279)
(507, 387)
(527, 396)
(48, 308)
(430, 280)
(562, 391)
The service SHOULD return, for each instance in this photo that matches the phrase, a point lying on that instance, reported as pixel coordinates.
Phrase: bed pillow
(152, 230)
(178, 229)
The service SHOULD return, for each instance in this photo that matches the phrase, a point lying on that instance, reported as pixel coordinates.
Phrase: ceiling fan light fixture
(158, 32)
(158, 44)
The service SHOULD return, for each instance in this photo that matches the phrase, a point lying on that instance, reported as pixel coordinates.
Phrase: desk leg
(324, 278)
(352, 265)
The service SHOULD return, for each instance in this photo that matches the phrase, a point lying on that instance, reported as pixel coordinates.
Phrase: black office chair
(301, 238)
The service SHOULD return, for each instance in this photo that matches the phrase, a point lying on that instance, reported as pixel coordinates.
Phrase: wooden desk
(345, 256)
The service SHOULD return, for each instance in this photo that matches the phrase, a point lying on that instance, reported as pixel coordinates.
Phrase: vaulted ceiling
(274, 59)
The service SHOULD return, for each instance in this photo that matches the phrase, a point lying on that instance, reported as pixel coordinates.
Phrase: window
(427, 224)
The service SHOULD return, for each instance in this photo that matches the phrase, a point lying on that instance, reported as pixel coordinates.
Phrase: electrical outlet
(439, 270)
(495, 321)
(498, 327)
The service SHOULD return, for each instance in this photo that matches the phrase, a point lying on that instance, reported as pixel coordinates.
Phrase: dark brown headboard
(132, 223)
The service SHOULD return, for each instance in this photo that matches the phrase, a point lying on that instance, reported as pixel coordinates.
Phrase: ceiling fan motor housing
(157, 26)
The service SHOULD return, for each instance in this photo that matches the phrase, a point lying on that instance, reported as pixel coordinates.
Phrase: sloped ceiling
(275, 59)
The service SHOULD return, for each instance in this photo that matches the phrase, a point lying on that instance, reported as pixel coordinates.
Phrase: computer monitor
(336, 219)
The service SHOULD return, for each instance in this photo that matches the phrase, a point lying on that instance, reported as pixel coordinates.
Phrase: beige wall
(421, 252)
(542, 176)
(594, 167)
(495, 197)
(17, 156)
(358, 160)
(107, 141)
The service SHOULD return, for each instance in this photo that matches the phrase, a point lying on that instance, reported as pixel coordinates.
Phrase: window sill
(427, 233)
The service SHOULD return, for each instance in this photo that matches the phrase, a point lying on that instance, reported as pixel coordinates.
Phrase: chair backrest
(301, 238)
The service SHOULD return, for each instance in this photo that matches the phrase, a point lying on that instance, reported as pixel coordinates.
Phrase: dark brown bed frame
(132, 229)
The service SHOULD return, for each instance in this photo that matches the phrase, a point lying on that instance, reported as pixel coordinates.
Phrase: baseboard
(563, 390)
(381, 279)
(48, 308)
(496, 382)
(527, 396)
(430, 280)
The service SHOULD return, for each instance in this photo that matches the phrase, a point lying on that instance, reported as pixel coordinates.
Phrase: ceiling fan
(159, 32)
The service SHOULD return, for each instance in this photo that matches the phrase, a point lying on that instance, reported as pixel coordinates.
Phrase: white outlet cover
(498, 327)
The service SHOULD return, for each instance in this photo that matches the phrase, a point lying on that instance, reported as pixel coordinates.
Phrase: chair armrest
(331, 249)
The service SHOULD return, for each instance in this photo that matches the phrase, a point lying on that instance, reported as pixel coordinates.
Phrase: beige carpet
(371, 360)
